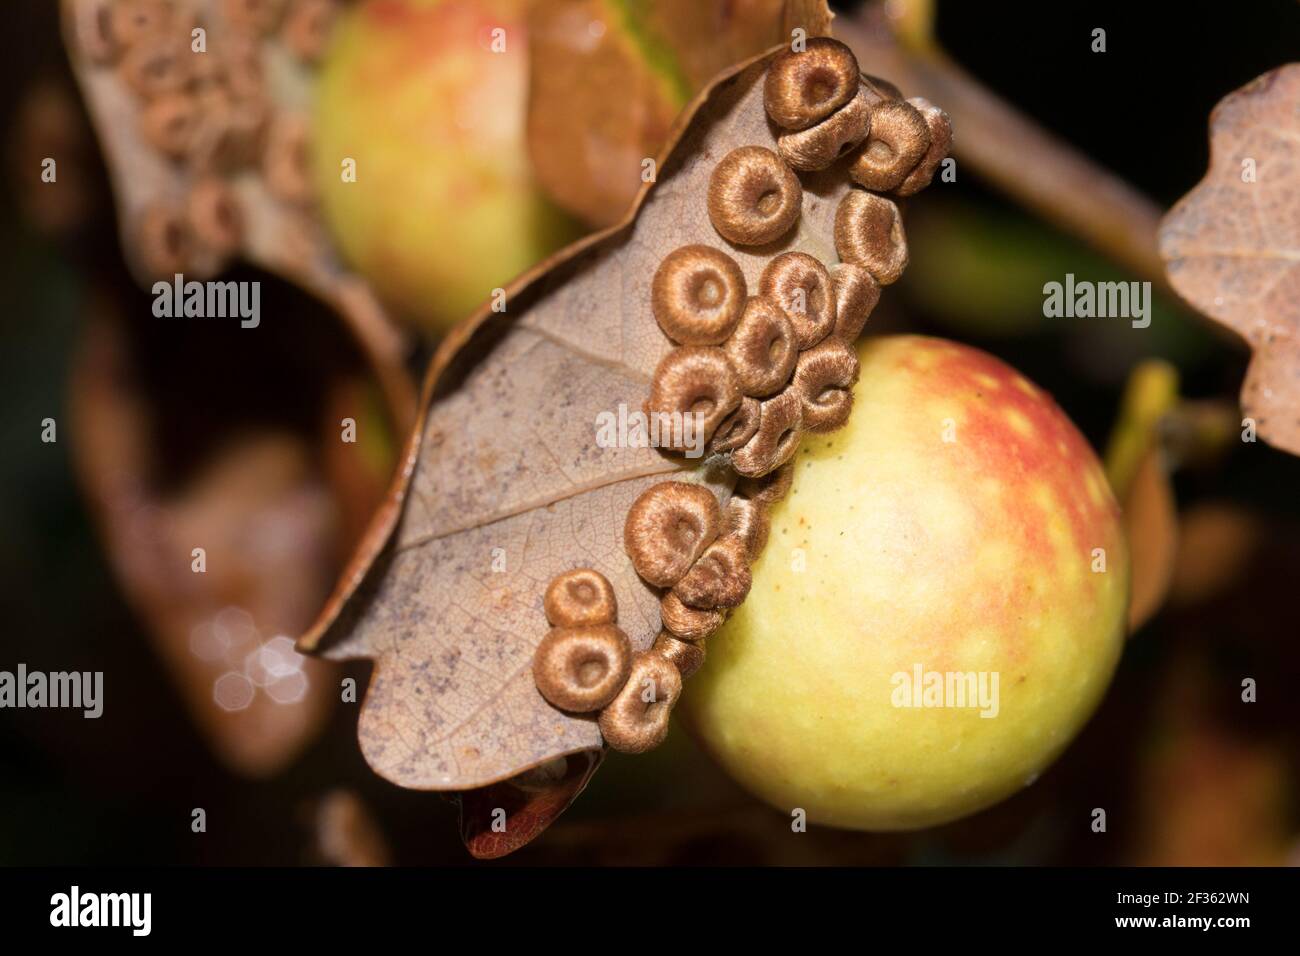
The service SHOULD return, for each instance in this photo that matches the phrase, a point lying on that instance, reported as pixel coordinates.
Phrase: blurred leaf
(609, 77)
(912, 21)
(1151, 523)
(1151, 392)
(50, 124)
(980, 270)
(1209, 795)
(1216, 542)
(1198, 433)
(267, 500)
(1232, 245)
(359, 471)
(1156, 434)
(345, 833)
(273, 502)
(1210, 799)
(242, 107)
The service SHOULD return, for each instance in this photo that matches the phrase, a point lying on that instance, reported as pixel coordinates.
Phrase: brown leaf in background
(245, 102)
(1216, 542)
(607, 79)
(190, 438)
(1209, 793)
(503, 470)
(1212, 799)
(50, 124)
(344, 832)
(1232, 245)
(172, 458)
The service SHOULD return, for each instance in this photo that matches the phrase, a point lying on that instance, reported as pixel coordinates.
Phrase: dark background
(120, 789)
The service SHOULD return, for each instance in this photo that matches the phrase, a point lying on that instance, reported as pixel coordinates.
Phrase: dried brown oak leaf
(242, 76)
(261, 482)
(607, 79)
(502, 484)
(1232, 245)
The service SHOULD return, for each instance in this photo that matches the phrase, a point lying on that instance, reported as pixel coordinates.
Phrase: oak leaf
(502, 484)
(188, 445)
(225, 520)
(282, 235)
(1232, 245)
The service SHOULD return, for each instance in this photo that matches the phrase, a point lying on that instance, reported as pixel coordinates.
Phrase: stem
(1014, 154)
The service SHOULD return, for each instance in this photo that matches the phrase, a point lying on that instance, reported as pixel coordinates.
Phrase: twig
(1013, 153)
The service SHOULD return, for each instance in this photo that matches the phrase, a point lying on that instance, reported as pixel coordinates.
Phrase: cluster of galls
(679, 539)
(202, 107)
(585, 664)
(758, 371)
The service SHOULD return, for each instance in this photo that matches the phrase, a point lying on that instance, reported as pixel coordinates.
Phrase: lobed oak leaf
(1232, 245)
(199, 121)
(503, 485)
